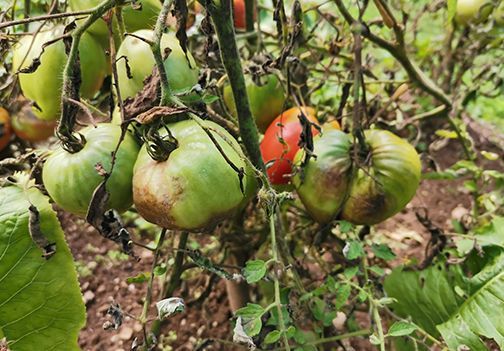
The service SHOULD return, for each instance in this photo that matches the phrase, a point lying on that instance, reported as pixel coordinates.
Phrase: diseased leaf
(353, 250)
(169, 307)
(41, 305)
(240, 337)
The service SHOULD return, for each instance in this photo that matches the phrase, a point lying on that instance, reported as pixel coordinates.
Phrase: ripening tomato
(280, 143)
(369, 191)
(143, 16)
(473, 11)
(240, 20)
(44, 85)
(28, 127)
(5, 128)
(71, 179)
(266, 100)
(195, 187)
(182, 74)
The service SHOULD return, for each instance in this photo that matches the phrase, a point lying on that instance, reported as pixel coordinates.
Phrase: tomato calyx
(159, 147)
(71, 142)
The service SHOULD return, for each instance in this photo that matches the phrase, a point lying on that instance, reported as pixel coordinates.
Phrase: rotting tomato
(266, 99)
(182, 74)
(44, 85)
(280, 142)
(195, 187)
(71, 178)
(5, 128)
(366, 191)
(28, 127)
(143, 16)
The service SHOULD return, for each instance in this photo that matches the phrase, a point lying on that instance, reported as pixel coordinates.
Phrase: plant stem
(221, 17)
(166, 97)
(377, 320)
(173, 283)
(72, 78)
(278, 301)
(148, 296)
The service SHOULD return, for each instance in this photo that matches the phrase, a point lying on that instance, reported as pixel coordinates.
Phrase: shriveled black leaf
(37, 236)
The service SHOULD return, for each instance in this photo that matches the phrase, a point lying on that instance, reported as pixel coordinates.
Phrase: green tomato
(387, 183)
(182, 75)
(71, 179)
(44, 85)
(498, 14)
(365, 192)
(473, 11)
(195, 187)
(322, 185)
(266, 100)
(143, 18)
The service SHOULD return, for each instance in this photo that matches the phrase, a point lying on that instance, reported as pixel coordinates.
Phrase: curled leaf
(168, 307)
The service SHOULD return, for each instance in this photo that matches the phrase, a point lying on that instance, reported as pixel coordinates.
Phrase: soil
(104, 272)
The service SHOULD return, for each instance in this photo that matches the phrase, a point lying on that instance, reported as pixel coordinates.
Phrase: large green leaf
(481, 314)
(427, 296)
(41, 306)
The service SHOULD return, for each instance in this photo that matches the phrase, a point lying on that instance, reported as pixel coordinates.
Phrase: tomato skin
(322, 185)
(472, 11)
(366, 194)
(390, 182)
(195, 187)
(28, 127)
(181, 76)
(266, 100)
(70, 179)
(44, 85)
(240, 20)
(279, 156)
(5, 128)
(143, 18)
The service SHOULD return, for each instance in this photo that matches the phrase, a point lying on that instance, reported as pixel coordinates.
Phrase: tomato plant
(182, 74)
(266, 100)
(280, 142)
(195, 187)
(5, 128)
(44, 85)
(28, 127)
(71, 178)
(366, 191)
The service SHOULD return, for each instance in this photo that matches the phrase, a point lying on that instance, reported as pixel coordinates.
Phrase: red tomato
(5, 128)
(279, 155)
(240, 20)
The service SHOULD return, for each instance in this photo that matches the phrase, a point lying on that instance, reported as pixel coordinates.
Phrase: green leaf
(426, 296)
(254, 271)
(353, 250)
(492, 156)
(383, 251)
(452, 8)
(491, 234)
(272, 337)
(160, 270)
(345, 226)
(448, 134)
(342, 295)
(350, 272)
(401, 329)
(479, 316)
(209, 99)
(41, 305)
(139, 278)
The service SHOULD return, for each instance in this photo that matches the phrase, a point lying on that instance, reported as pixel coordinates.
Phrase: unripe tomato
(195, 187)
(475, 11)
(5, 128)
(498, 14)
(44, 85)
(266, 100)
(369, 191)
(71, 179)
(182, 75)
(144, 17)
(280, 143)
(29, 128)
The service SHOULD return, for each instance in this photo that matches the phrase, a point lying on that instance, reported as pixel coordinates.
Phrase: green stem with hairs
(222, 19)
